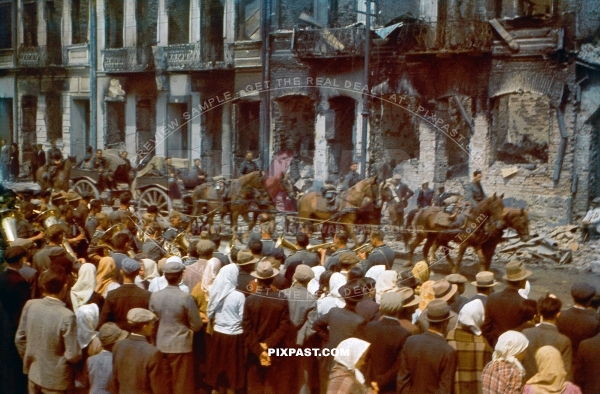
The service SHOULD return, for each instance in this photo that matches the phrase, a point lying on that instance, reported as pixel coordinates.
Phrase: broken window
(30, 16)
(179, 21)
(28, 124)
(145, 122)
(79, 21)
(5, 25)
(339, 130)
(521, 128)
(54, 115)
(211, 142)
(248, 20)
(53, 33)
(400, 127)
(247, 129)
(114, 23)
(511, 9)
(146, 18)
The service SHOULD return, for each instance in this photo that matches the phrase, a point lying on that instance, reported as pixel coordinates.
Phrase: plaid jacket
(473, 355)
(502, 377)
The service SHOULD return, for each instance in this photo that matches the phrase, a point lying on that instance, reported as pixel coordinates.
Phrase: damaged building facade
(509, 88)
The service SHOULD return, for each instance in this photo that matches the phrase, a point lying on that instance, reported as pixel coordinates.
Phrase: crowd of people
(136, 313)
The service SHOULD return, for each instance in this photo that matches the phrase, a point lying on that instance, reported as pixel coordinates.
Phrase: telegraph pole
(365, 96)
(265, 115)
(93, 80)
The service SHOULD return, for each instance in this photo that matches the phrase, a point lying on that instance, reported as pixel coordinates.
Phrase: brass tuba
(182, 242)
(314, 248)
(106, 239)
(281, 241)
(49, 218)
(229, 246)
(9, 224)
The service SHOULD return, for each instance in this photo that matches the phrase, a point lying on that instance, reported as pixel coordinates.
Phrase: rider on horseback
(329, 192)
(55, 160)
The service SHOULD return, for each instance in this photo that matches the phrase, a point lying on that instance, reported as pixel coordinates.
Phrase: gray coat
(474, 193)
(178, 319)
(47, 341)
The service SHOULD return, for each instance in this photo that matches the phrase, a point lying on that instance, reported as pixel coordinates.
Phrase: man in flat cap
(179, 319)
(125, 297)
(579, 322)
(100, 366)
(387, 336)
(505, 310)
(138, 366)
(266, 324)
(427, 362)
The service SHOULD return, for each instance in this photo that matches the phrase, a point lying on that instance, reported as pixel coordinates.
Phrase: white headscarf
(87, 322)
(375, 271)
(150, 269)
(336, 281)
(210, 273)
(508, 346)
(385, 282)
(525, 292)
(313, 285)
(224, 284)
(84, 287)
(349, 352)
(472, 315)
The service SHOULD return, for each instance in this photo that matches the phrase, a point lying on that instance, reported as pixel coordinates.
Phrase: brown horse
(353, 206)
(484, 219)
(235, 201)
(61, 180)
(484, 244)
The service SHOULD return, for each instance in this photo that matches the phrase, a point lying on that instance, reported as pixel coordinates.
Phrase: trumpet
(364, 248)
(285, 243)
(229, 247)
(314, 248)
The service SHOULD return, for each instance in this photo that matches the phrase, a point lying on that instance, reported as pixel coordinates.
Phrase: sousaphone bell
(281, 241)
(8, 218)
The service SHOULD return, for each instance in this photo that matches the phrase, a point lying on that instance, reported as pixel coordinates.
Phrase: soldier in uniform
(474, 191)
(352, 177)
(96, 252)
(248, 165)
(380, 255)
(425, 196)
(340, 239)
(404, 193)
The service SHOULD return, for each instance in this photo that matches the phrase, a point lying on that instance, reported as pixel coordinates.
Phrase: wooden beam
(506, 36)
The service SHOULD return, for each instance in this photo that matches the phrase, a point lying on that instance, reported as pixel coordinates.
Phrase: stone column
(162, 24)
(130, 33)
(358, 142)
(227, 157)
(195, 120)
(161, 121)
(427, 152)
(130, 125)
(195, 13)
(479, 148)
(320, 159)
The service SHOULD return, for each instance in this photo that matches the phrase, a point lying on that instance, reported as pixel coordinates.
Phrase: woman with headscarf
(213, 266)
(87, 317)
(227, 351)
(473, 350)
(83, 291)
(375, 271)
(106, 278)
(386, 282)
(551, 377)
(149, 271)
(505, 373)
(313, 285)
(333, 299)
(345, 376)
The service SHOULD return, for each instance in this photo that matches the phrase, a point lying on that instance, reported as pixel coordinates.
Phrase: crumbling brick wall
(290, 10)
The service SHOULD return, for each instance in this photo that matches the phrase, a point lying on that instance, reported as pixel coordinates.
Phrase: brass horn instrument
(281, 241)
(106, 239)
(364, 248)
(314, 248)
(182, 242)
(49, 218)
(229, 247)
(9, 224)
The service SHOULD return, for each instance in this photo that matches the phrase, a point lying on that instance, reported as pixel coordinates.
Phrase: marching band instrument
(182, 242)
(281, 241)
(229, 246)
(49, 218)
(364, 248)
(9, 224)
(106, 239)
(314, 248)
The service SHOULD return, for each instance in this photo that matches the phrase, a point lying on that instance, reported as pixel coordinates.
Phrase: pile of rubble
(556, 248)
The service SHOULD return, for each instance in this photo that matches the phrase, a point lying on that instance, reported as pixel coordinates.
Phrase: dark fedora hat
(515, 271)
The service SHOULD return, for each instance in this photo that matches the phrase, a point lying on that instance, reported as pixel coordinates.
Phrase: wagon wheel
(155, 196)
(85, 187)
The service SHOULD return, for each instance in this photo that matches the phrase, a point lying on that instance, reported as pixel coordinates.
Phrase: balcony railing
(39, 56)
(190, 57)
(324, 43)
(131, 59)
(451, 36)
